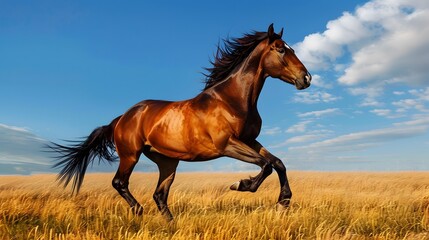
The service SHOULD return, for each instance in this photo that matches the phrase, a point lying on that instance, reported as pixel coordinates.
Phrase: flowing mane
(230, 55)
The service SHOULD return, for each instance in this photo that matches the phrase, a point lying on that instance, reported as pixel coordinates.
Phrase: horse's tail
(75, 158)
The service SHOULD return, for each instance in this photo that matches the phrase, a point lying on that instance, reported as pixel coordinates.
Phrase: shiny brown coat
(222, 120)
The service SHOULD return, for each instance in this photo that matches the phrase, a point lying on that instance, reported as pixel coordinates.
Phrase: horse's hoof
(280, 207)
(235, 186)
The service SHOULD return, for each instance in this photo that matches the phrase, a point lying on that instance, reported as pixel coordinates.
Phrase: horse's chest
(251, 127)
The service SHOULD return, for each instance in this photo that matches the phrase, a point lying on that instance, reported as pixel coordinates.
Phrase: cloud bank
(21, 151)
(386, 41)
(362, 140)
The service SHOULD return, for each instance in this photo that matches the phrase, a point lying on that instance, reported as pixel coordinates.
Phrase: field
(325, 206)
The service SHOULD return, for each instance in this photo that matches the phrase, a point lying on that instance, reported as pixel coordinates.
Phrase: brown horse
(222, 120)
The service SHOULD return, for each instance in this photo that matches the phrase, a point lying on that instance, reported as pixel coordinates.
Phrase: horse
(222, 120)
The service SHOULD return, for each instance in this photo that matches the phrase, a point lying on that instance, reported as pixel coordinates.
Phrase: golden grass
(325, 206)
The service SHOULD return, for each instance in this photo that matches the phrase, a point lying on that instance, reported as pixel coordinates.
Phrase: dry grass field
(325, 206)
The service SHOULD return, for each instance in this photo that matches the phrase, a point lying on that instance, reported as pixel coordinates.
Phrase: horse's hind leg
(167, 171)
(121, 180)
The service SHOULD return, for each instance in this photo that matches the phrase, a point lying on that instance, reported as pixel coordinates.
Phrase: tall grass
(325, 206)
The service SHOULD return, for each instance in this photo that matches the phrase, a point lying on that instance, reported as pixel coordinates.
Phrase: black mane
(230, 55)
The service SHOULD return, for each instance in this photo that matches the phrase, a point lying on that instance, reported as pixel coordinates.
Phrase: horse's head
(280, 61)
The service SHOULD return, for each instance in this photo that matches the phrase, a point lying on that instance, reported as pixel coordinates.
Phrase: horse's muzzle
(304, 82)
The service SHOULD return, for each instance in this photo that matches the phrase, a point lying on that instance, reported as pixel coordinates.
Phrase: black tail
(75, 158)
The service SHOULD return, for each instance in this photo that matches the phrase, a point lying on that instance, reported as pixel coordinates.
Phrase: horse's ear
(270, 32)
(280, 33)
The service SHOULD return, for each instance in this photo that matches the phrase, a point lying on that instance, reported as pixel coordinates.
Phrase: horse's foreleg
(239, 150)
(285, 192)
(121, 180)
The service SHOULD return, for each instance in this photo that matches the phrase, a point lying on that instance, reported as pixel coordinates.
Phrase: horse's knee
(279, 166)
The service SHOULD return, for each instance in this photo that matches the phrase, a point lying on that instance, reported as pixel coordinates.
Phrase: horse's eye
(281, 50)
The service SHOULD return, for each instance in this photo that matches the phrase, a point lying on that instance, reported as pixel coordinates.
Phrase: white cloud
(346, 30)
(271, 131)
(399, 54)
(408, 104)
(298, 139)
(418, 120)
(304, 138)
(18, 146)
(362, 140)
(319, 82)
(421, 97)
(371, 95)
(382, 112)
(387, 113)
(421, 94)
(386, 40)
(299, 127)
(356, 141)
(13, 128)
(317, 52)
(319, 113)
(16, 158)
(314, 97)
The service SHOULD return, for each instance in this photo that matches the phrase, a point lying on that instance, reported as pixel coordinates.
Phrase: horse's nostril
(308, 78)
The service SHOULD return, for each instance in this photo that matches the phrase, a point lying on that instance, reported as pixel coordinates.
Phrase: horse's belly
(182, 137)
(177, 147)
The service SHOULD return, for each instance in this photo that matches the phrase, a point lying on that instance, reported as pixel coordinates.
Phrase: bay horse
(222, 120)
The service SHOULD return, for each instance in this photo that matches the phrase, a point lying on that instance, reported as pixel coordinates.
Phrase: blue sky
(67, 67)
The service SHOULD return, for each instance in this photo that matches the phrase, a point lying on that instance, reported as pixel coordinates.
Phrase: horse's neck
(244, 85)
